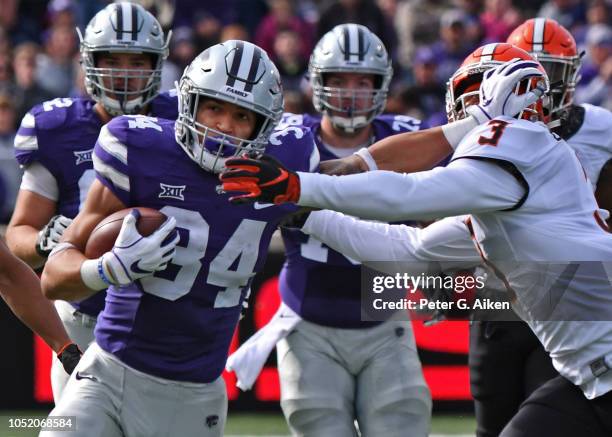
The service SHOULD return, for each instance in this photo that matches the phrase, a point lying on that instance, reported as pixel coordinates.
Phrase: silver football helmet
(237, 72)
(350, 48)
(123, 28)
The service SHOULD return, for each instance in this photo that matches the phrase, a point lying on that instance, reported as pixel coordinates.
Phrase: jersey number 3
(497, 129)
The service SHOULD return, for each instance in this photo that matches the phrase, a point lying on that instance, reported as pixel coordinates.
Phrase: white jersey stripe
(28, 121)
(26, 142)
(115, 176)
(112, 145)
(314, 160)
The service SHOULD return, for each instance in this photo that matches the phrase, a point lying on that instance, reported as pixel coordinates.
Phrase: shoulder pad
(165, 105)
(287, 135)
(290, 119)
(295, 147)
(52, 113)
(398, 123)
(521, 142)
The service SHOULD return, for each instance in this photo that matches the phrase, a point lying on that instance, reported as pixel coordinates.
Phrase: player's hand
(497, 90)
(134, 256)
(349, 165)
(69, 356)
(50, 235)
(264, 179)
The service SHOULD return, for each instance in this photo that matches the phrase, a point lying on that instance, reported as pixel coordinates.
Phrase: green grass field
(254, 425)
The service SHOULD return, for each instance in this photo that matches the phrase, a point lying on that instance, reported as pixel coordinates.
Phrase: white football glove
(50, 235)
(134, 256)
(497, 90)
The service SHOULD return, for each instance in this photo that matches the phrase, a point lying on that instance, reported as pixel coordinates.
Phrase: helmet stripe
(487, 52)
(360, 37)
(134, 22)
(253, 70)
(231, 79)
(245, 66)
(347, 43)
(119, 29)
(126, 19)
(539, 25)
(353, 36)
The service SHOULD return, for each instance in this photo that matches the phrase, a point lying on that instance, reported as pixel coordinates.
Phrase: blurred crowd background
(427, 39)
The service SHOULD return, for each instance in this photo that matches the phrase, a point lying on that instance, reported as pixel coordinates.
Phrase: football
(103, 236)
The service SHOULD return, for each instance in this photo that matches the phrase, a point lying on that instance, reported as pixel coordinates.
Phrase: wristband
(60, 247)
(102, 273)
(455, 131)
(365, 154)
(91, 276)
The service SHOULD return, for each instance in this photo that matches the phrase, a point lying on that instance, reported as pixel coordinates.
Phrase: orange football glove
(264, 179)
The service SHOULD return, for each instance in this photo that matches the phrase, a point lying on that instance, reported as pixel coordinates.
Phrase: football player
(528, 200)
(174, 298)
(329, 378)
(122, 53)
(506, 361)
(586, 128)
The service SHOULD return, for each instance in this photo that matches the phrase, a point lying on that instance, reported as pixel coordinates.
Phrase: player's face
(135, 70)
(356, 94)
(227, 118)
(469, 99)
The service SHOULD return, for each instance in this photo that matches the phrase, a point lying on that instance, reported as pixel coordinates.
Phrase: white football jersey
(558, 222)
(593, 141)
(536, 207)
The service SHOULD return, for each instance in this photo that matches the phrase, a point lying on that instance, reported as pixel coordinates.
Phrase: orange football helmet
(463, 86)
(555, 48)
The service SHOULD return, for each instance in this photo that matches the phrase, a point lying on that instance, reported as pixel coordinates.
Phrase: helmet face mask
(555, 48)
(123, 28)
(463, 86)
(350, 48)
(218, 73)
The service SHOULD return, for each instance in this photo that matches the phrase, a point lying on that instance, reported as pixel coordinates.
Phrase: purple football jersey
(178, 323)
(61, 134)
(320, 284)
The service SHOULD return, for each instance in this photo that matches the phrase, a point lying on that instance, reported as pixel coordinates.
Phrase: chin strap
(349, 125)
(113, 107)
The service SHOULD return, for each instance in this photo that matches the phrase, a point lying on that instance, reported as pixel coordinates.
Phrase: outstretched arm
(465, 186)
(407, 152)
(443, 245)
(20, 289)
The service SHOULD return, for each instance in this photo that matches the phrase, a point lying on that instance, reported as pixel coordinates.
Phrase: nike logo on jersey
(258, 205)
(80, 376)
(172, 191)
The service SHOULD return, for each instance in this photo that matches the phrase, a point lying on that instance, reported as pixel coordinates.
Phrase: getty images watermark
(533, 290)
